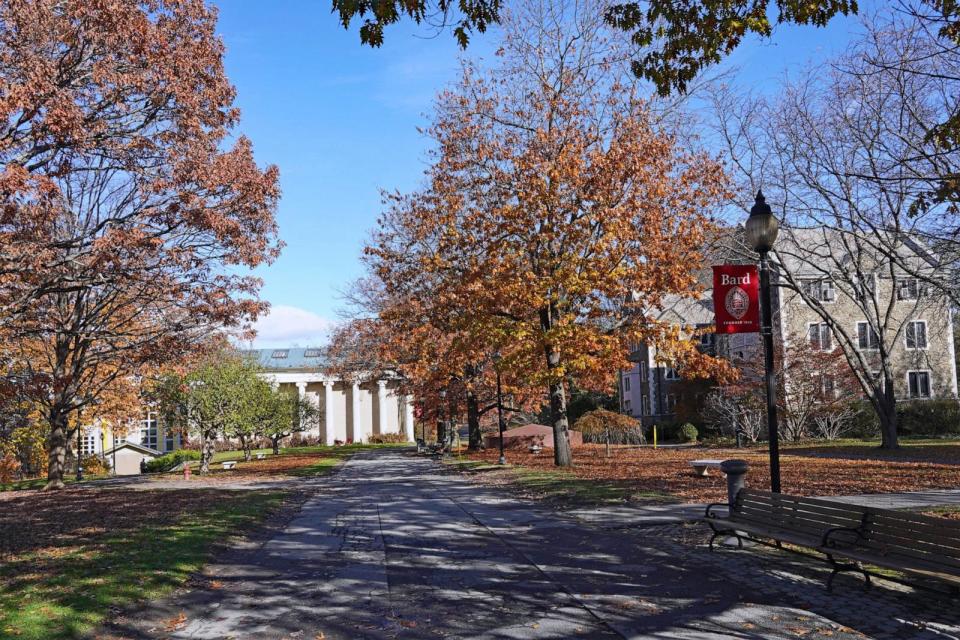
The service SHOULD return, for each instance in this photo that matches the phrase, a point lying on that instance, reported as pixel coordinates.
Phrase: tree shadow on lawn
(73, 557)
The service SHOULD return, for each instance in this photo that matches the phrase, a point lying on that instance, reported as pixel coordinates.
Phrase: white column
(408, 417)
(357, 434)
(301, 390)
(381, 406)
(328, 412)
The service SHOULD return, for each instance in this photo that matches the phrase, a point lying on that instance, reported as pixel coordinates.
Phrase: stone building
(835, 291)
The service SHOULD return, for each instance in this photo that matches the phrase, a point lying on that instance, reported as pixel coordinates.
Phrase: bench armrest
(829, 540)
(710, 509)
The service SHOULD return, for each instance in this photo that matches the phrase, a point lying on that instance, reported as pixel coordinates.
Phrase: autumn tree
(558, 214)
(131, 206)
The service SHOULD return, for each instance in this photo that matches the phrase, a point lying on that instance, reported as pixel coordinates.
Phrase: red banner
(736, 298)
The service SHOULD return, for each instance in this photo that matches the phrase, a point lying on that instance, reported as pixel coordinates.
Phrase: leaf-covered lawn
(641, 472)
(70, 558)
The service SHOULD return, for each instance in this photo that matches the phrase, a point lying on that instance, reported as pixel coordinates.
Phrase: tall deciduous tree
(557, 214)
(127, 210)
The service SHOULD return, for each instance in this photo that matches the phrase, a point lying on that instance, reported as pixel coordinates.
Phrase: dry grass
(804, 471)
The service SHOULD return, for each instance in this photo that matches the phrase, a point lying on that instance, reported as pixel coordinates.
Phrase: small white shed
(128, 456)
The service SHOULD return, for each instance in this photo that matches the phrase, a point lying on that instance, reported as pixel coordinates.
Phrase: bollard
(736, 471)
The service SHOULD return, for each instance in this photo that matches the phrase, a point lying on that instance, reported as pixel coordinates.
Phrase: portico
(354, 409)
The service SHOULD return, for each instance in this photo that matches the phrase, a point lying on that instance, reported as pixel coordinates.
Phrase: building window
(707, 340)
(169, 442)
(644, 406)
(280, 354)
(867, 338)
(917, 335)
(819, 289)
(149, 431)
(669, 373)
(626, 407)
(312, 353)
(866, 287)
(909, 289)
(820, 337)
(919, 383)
(828, 386)
(643, 371)
(671, 402)
(88, 444)
(626, 384)
(879, 380)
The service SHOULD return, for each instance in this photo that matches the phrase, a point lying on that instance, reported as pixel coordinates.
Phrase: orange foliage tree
(129, 209)
(558, 212)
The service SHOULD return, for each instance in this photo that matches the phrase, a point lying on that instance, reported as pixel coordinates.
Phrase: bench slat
(930, 569)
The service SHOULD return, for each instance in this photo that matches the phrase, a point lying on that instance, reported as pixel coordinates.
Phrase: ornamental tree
(131, 209)
(558, 213)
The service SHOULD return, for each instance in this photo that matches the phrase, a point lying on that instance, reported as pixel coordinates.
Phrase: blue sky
(340, 120)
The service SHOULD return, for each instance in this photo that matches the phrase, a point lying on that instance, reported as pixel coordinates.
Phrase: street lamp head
(762, 226)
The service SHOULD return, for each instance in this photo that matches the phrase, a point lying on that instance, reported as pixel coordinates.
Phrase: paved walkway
(392, 546)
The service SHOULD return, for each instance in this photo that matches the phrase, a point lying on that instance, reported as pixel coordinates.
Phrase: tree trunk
(886, 407)
(206, 456)
(276, 445)
(246, 443)
(473, 422)
(441, 432)
(558, 397)
(57, 454)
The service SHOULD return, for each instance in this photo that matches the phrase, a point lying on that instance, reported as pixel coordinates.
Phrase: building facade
(832, 292)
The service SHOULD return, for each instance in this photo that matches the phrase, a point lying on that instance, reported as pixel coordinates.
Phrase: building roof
(136, 447)
(310, 359)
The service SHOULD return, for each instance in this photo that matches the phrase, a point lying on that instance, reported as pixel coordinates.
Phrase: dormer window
(312, 353)
(280, 354)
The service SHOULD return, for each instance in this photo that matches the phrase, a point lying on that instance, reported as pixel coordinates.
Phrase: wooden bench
(700, 467)
(229, 464)
(848, 535)
(536, 448)
(261, 456)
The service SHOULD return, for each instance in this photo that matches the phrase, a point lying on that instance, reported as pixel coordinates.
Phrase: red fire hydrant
(186, 472)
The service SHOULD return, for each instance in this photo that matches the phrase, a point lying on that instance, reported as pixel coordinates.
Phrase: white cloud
(287, 326)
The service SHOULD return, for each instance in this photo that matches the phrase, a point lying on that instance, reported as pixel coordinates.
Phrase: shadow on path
(393, 547)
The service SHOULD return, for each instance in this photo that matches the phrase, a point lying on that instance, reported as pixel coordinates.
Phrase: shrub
(597, 424)
(9, 468)
(170, 460)
(928, 418)
(94, 465)
(688, 433)
(387, 438)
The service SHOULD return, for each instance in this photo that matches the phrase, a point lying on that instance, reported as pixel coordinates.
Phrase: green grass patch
(40, 483)
(66, 591)
(565, 488)
(322, 467)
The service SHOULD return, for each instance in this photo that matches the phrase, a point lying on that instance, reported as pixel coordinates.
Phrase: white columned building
(351, 410)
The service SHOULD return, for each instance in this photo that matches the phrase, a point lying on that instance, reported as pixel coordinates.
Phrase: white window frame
(643, 371)
(906, 336)
(870, 332)
(150, 434)
(903, 284)
(626, 383)
(821, 328)
(929, 384)
(670, 373)
(670, 403)
(88, 444)
(866, 285)
(824, 284)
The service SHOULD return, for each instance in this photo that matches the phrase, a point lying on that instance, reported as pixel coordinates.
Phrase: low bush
(93, 465)
(928, 418)
(387, 438)
(676, 432)
(599, 424)
(170, 460)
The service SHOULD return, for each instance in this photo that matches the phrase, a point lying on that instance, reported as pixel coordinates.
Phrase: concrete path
(393, 546)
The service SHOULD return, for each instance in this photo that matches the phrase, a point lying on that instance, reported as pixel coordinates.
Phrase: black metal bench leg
(833, 574)
(866, 579)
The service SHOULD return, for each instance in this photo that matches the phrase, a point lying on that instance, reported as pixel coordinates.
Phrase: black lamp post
(496, 365)
(761, 229)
